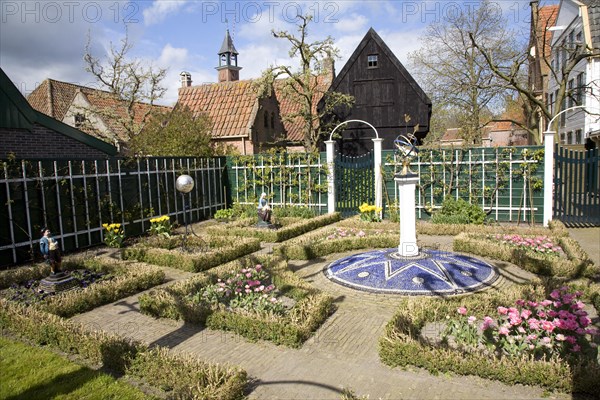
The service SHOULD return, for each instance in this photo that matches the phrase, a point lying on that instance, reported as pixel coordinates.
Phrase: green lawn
(30, 373)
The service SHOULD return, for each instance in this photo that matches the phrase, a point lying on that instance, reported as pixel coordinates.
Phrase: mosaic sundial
(432, 272)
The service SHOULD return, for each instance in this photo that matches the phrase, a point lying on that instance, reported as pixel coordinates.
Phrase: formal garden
(490, 292)
(535, 332)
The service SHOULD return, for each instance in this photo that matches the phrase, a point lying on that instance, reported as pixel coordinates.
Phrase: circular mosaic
(432, 272)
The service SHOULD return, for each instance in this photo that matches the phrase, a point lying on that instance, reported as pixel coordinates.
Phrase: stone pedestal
(59, 282)
(408, 225)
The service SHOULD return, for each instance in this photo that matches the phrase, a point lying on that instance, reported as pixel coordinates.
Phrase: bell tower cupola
(228, 62)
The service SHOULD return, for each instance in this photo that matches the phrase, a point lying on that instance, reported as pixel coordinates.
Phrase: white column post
(378, 173)
(330, 147)
(408, 222)
(548, 175)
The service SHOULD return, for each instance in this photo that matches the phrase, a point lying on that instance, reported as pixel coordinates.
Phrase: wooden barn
(386, 96)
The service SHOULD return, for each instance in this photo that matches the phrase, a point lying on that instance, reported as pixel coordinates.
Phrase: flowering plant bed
(552, 256)
(200, 252)
(256, 298)
(555, 327)
(295, 228)
(407, 341)
(103, 281)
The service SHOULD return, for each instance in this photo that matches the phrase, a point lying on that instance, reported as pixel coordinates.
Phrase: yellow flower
(153, 220)
(105, 226)
(364, 207)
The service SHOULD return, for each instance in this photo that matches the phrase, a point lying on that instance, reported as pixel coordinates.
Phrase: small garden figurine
(264, 211)
(50, 251)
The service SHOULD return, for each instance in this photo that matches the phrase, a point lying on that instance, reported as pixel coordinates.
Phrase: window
(79, 119)
(266, 119)
(272, 120)
(562, 138)
(570, 138)
(578, 136)
(372, 61)
(551, 102)
(563, 116)
(579, 38)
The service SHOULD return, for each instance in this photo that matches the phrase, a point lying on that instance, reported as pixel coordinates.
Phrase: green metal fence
(577, 186)
(506, 182)
(74, 198)
(297, 179)
(354, 182)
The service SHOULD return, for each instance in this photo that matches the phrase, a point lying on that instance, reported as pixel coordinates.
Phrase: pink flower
(546, 340)
(525, 314)
(248, 275)
(547, 326)
(555, 294)
(248, 290)
(487, 323)
(584, 321)
(546, 303)
(471, 319)
(520, 302)
(258, 267)
(531, 337)
(532, 304)
(502, 310)
(571, 339)
(534, 324)
(461, 310)
(503, 331)
(576, 348)
(560, 337)
(273, 300)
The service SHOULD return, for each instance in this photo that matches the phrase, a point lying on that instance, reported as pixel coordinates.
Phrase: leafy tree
(308, 84)
(560, 73)
(175, 133)
(454, 72)
(130, 85)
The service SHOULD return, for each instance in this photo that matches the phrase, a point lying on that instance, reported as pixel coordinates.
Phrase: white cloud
(160, 9)
(354, 23)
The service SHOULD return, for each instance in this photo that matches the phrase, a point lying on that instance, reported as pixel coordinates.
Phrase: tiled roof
(289, 105)
(231, 106)
(54, 98)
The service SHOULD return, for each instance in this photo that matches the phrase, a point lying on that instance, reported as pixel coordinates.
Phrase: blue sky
(46, 39)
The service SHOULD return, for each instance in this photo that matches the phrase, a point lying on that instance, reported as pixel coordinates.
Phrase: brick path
(342, 353)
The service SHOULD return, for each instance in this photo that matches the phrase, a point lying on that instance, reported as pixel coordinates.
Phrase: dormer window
(372, 61)
(79, 119)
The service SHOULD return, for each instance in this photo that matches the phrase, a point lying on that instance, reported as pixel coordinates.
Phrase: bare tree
(454, 72)
(130, 88)
(560, 66)
(309, 84)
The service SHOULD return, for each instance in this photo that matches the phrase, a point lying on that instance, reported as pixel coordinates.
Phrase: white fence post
(377, 144)
(330, 146)
(548, 175)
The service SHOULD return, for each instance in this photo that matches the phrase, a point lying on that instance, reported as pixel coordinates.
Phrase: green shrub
(224, 214)
(293, 212)
(211, 250)
(532, 262)
(458, 212)
(275, 235)
(130, 278)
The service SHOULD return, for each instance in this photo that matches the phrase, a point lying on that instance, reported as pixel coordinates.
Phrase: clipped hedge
(275, 235)
(315, 245)
(403, 344)
(131, 278)
(167, 251)
(184, 375)
(310, 310)
(571, 267)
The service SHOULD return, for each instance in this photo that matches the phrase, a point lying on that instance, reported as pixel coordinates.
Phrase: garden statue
(263, 210)
(50, 251)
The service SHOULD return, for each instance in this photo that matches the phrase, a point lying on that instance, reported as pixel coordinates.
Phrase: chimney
(186, 79)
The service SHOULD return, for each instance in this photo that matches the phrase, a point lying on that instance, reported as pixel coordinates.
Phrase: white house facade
(577, 25)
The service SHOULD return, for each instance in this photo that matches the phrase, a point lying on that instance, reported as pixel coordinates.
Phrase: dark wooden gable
(384, 93)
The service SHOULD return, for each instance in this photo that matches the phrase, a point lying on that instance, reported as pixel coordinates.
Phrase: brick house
(28, 133)
(96, 112)
(240, 118)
